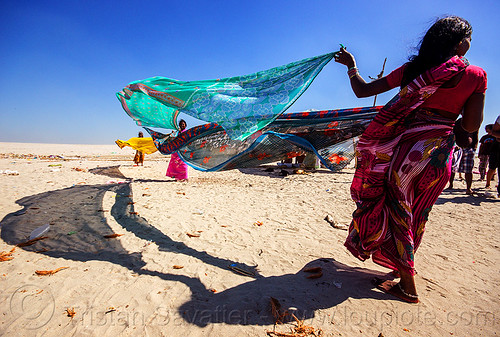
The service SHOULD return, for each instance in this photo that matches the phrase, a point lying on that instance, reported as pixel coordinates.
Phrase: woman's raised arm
(359, 86)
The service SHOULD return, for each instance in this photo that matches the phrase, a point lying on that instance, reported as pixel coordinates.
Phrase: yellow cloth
(143, 144)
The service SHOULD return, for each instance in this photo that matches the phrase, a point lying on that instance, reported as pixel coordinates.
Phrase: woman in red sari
(403, 157)
(177, 168)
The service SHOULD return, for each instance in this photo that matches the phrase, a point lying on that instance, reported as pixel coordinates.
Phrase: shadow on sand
(274, 171)
(76, 233)
(459, 197)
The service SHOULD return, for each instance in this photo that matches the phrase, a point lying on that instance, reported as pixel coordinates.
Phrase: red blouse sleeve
(395, 77)
(480, 76)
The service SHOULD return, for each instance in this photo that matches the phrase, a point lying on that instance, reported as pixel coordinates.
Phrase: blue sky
(63, 61)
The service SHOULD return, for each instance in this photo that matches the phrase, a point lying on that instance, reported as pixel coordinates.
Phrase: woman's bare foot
(395, 289)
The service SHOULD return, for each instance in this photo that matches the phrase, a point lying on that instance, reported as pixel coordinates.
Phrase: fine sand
(169, 274)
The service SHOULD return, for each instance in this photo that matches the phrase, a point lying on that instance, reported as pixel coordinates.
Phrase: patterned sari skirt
(138, 158)
(392, 209)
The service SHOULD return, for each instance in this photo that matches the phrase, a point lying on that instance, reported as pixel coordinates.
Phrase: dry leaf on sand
(49, 272)
(111, 236)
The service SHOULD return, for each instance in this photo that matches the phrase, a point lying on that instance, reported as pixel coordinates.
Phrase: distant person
(403, 156)
(467, 162)
(487, 141)
(177, 168)
(493, 163)
(495, 129)
(495, 153)
(139, 156)
(455, 163)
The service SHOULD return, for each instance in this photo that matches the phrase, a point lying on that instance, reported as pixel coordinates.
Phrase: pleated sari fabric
(403, 165)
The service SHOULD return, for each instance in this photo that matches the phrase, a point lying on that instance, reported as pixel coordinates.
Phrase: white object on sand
(10, 172)
(37, 232)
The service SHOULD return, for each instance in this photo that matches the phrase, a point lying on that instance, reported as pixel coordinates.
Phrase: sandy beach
(170, 271)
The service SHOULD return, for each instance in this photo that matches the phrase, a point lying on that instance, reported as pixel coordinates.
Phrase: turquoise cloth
(242, 105)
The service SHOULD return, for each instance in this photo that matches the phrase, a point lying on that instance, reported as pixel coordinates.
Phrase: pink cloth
(449, 99)
(177, 168)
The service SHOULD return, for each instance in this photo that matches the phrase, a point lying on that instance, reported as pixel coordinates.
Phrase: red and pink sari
(177, 168)
(403, 166)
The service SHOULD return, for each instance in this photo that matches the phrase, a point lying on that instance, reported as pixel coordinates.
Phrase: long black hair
(437, 46)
